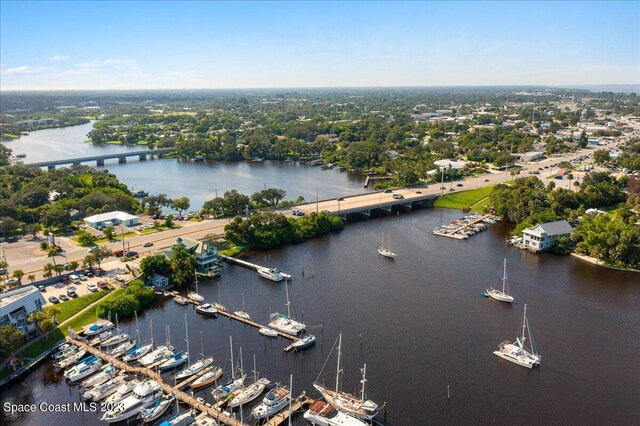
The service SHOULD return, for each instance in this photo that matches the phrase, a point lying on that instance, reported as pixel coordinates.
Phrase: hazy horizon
(296, 45)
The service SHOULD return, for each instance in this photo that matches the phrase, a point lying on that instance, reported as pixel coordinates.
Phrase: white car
(92, 287)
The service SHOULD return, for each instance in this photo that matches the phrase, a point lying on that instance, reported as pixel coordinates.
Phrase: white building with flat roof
(542, 237)
(17, 305)
(104, 220)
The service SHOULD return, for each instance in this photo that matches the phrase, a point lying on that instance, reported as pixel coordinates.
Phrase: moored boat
(206, 309)
(155, 411)
(144, 395)
(303, 342)
(322, 413)
(502, 296)
(517, 352)
(273, 402)
(268, 331)
(211, 374)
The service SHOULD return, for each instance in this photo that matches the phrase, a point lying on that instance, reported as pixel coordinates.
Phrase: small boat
(123, 391)
(285, 323)
(386, 251)
(180, 300)
(70, 359)
(268, 331)
(95, 341)
(102, 391)
(212, 373)
(178, 419)
(322, 413)
(484, 294)
(122, 348)
(144, 395)
(64, 352)
(194, 368)
(82, 370)
(174, 361)
(516, 352)
(275, 401)
(502, 296)
(155, 411)
(206, 309)
(115, 340)
(219, 307)
(137, 352)
(304, 342)
(241, 312)
(272, 274)
(97, 328)
(159, 354)
(141, 193)
(195, 296)
(21, 155)
(107, 373)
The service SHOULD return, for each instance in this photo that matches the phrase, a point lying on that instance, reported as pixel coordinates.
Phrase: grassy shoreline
(474, 199)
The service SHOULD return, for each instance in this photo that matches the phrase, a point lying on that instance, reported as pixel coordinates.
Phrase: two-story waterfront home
(543, 236)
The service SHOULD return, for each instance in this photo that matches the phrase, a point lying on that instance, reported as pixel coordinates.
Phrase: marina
(469, 225)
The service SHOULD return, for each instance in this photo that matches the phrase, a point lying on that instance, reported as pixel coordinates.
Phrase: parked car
(418, 192)
(42, 288)
(64, 280)
(147, 244)
(388, 191)
(486, 180)
(92, 287)
(132, 253)
(91, 249)
(69, 291)
(53, 299)
(88, 272)
(340, 199)
(72, 293)
(398, 196)
(119, 278)
(66, 266)
(459, 184)
(12, 281)
(118, 253)
(103, 285)
(326, 211)
(82, 276)
(64, 297)
(3, 271)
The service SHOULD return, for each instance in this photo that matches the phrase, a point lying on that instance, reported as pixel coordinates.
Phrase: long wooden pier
(211, 411)
(457, 233)
(250, 265)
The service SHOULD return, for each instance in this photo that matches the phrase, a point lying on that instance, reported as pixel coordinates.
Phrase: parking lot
(85, 285)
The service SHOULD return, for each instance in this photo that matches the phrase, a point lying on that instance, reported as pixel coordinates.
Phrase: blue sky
(149, 45)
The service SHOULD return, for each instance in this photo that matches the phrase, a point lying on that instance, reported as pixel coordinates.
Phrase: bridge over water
(100, 159)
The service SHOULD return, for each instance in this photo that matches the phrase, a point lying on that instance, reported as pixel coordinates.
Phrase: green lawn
(73, 306)
(464, 199)
(114, 142)
(34, 350)
(161, 228)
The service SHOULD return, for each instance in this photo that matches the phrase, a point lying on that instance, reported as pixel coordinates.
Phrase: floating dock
(250, 265)
(457, 232)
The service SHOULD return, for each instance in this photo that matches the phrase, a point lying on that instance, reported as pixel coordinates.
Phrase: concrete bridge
(100, 159)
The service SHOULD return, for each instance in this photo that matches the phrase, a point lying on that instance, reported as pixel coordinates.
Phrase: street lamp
(316, 200)
(216, 193)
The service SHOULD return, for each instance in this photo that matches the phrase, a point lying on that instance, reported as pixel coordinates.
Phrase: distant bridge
(100, 159)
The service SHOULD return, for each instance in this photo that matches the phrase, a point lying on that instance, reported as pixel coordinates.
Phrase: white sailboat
(285, 323)
(250, 392)
(140, 350)
(502, 296)
(223, 391)
(242, 313)
(386, 251)
(517, 352)
(360, 408)
(197, 366)
(176, 360)
(218, 305)
(195, 295)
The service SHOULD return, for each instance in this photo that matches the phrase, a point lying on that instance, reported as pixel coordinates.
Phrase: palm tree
(570, 178)
(18, 273)
(36, 318)
(47, 270)
(59, 269)
(52, 312)
(32, 278)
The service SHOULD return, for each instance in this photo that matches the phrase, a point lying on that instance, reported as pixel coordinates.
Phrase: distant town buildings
(40, 122)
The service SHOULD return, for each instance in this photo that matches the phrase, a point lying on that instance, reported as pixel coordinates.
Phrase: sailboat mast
(338, 367)
(290, 396)
(201, 345)
(255, 370)
(186, 330)
(504, 277)
(363, 381)
(135, 313)
(195, 273)
(233, 373)
(524, 322)
(286, 289)
(241, 363)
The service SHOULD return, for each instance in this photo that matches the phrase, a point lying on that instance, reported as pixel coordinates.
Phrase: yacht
(249, 393)
(107, 373)
(360, 408)
(502, 296)
(115, 340)
(284, 323)
(95, 340)
(304, 342)
(275, 401)
(272, 274)
(194, 368)
(386, 251)
(212, 373)
(123, 391)
(97, 328)
(206, 309)
(178, 419)
(137, 352)
(64, 351)
(103, 390)
(82, 370)
(516, 352)
(180, 300)
(195, 296)
(143, 396)
(155, 411)
(268, 331)
(70, 359)
(123, 348)
(322, 413)
(159, 354)
(174, 361)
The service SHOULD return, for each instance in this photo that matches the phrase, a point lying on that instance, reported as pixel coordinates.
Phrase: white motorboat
(268, 331)
(285, 323)
(322, 413)
(304, 342)
(82, 370)
(180, 419)
(516, 352)
(272, 274)
(143, 396)
(122, 348)
(350, 404)
(155, 411)
(249, 393)
(206, 309)
(174, 361)
(159, 354)
(123, 391)
(97, 328)
(386, 251)
(273, 402)
(137, 352)
(108, 372)
(195, 296)
(242, 313)
(115, 340)
(212, 373)
(180, 300)
(70, 359)
(102, 391)
(95, 341)
(64, 351)
(502, 296)
(219, 307)
(194, 368)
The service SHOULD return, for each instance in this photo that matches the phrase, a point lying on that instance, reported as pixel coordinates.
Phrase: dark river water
(200, 181)
(420, 324)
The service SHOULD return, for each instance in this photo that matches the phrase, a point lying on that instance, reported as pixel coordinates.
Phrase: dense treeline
(124, 302)
(267, 229)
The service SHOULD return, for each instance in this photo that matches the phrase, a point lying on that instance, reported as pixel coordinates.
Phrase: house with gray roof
(543, 236)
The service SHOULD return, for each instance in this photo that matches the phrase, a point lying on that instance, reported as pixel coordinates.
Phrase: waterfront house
(542, 237)
(104, 220)
(206, 254)
(17, 305)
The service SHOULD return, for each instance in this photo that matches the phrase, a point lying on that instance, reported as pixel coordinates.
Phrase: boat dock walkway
(300, 402)
(457, 232)
(213, 412)
(249, 265)
(233, 316)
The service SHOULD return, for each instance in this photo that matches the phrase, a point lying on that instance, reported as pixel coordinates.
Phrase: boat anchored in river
(502, 296)
(516, 352)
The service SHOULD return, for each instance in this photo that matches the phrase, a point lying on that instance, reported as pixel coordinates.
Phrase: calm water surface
(200, 181)
(420, 324)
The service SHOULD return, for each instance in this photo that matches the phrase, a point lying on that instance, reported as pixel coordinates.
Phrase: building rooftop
(559, 227)
(14, 295)
(102, 217)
